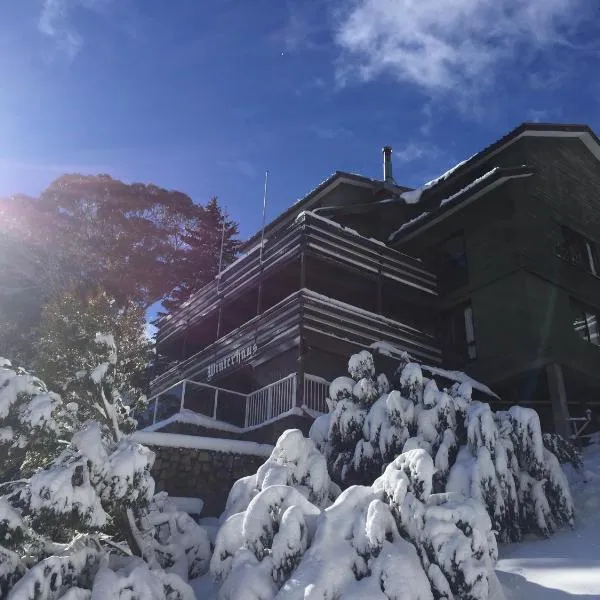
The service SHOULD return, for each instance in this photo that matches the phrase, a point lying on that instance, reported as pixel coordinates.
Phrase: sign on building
(231, 360)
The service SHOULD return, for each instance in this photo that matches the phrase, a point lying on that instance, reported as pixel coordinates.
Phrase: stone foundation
(205, 474)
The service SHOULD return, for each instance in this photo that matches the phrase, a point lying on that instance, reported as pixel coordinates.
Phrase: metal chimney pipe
(387, 165)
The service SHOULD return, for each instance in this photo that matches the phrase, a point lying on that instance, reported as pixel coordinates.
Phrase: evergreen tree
(86, 524)
(498, 458)
(84, 232)
(67, 347)
(199, 261)
(122, 237)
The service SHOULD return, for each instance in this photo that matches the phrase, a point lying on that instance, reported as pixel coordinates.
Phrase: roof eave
(460, 201)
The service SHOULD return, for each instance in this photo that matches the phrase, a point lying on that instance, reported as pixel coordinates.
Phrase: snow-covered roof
(472, 190)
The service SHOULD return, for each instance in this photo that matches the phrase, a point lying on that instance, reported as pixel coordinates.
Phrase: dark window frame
(452, 267)
(586, 321)
(459, 332)
(579, 250)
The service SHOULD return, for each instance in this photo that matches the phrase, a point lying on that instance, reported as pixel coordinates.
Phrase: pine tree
(199, 261)
(498, 459)
(67, 347)
(87, 521)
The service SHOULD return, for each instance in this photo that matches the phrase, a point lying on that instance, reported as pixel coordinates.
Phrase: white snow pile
(394, 539)
(498, 459)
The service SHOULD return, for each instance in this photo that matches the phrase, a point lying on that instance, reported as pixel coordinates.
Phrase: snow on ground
(567, 566)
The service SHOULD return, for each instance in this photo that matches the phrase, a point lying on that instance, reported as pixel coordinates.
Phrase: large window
(585, 322)
(459, 333)
(579, 250)
(452, 263)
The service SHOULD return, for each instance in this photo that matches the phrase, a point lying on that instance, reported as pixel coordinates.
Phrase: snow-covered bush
(32, 419)
(498, 458)
(87, 524)
(294, 462)
(391, 540)
(565, 450)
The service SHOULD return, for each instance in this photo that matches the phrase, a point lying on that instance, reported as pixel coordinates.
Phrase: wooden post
(155, 409)
(558, 395)
(216, 403)
(299, 391)
(183, 394)
(379, 290)
(219, 318)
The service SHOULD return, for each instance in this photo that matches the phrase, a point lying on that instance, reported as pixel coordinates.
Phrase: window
(452, 265)
(459, 333)
(585, 322)
(578, 250)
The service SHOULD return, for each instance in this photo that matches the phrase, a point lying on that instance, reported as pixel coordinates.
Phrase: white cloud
(413, 151)
(55, 22)
(444, 46)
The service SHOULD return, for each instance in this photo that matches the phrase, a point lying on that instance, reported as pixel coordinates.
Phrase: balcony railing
(301, 313)
(238, 409)
(321, 237)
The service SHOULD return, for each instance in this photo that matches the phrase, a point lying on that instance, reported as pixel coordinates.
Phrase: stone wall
(205, 474)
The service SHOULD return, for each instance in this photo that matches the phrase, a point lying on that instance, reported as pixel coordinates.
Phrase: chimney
(387, 166)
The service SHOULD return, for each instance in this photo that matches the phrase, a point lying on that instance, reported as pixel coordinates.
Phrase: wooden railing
(323, 238)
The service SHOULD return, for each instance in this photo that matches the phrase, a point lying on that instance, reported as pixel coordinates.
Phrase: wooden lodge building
(492, 269)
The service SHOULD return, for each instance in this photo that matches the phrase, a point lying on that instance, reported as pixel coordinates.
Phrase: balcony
(310, 235)
(321, 321)
(242, 411)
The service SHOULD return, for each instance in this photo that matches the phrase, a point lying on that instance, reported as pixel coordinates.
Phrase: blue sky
(204, 95)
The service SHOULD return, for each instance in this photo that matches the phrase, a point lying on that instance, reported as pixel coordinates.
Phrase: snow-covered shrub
(392, 540)
(180, 545)
(498, 459)
(86, 525)
(295, 462)
(30, 426)
(452, 534)
(564, 449)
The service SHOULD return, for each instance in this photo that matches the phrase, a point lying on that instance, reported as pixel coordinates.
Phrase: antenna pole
(262, 245)
(221, 253)
(264, 214)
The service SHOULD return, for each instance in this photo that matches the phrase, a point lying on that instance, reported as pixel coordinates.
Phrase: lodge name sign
(235, 358)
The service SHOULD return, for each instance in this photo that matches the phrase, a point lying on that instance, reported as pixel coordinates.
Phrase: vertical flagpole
(262, 245)
(221, 253)
(264, 215)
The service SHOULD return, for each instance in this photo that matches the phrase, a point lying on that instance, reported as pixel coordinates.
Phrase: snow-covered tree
(67, 344)
(391, 540)
(563, 449)
(498, 459)
(32, 421)
(87, 525)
